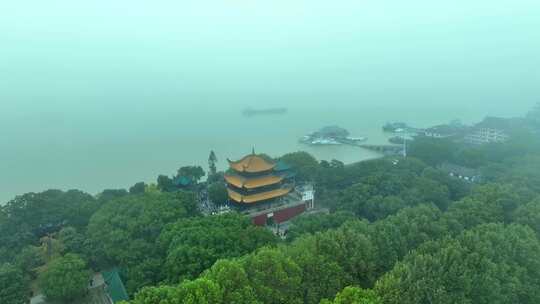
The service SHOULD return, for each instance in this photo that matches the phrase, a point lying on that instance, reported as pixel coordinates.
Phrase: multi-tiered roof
(253, 179)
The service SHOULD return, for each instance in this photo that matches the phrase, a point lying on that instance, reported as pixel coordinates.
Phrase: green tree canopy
(138, 188)
(433, 151)
(304, 164)
(200, 291)
(212, 160)
(397, 235)
(124, 232)
(352, 249)
(490, 203)
(110, 194)
(234, 282)
(155, 295)
(322, 275)
(529, 215)
(317, 222)
(30, 259)
(193, 245)
(26, 218)
(217, 192)
(488, 264)
(66, 279)
(355, 295)
(73, 241)
(275, 277)
(14, 288)
(165, 183)
(50, 210)
(194, 173)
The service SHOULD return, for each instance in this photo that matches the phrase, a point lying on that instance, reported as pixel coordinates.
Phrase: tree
(29, 260)
(275, 277)
(488, 264)
(14, 288)
(469, 213)
(138, 188)
(355, 295)
(66, 279)
(212, 160)
(317, 222)
(234, 282)
(194, 173)
(457, 188)
(217, 193)
(366, 201)
(200, 291)
(529, 215)
(218, 177)
(124, 231)
(194, 245)
(49, 211)
(398, 234)
(490, 203)
(425, 190)
(352, 249)
(110, 194)
(154, 295)
(322, 276)
(379, 207)
(165, 183)
(73, 241)
(433, 151)
(381, 188)
(303, 163)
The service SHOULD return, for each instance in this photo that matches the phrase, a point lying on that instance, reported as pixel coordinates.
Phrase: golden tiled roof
(251, 183)
(251, 164)
(249, 199)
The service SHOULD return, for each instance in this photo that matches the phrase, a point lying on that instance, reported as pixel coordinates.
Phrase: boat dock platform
(384, 149)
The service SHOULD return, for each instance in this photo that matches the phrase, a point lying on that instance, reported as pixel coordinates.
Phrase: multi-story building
(264, 191)
(491, 130)
(486, 136)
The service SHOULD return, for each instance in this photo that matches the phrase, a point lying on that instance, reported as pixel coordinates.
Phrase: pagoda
(253, 180)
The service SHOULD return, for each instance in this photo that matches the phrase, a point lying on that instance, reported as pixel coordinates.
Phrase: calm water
(96, 94)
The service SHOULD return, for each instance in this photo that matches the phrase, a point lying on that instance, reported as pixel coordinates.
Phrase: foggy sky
(55, 51)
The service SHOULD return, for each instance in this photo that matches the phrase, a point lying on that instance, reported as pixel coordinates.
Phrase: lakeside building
(491, 130)
(486, 136)
(453, 130)
(441, 131)
(265, 191)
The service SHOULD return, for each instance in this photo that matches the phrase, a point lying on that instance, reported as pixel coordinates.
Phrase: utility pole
(404, 146)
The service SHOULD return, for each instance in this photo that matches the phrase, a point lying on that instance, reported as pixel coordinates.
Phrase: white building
(442, 131)
(486, 136)
(308, 195)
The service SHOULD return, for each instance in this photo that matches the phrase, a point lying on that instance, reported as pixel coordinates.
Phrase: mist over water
(102, 95)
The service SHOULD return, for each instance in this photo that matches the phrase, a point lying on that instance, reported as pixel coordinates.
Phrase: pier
(384, 149)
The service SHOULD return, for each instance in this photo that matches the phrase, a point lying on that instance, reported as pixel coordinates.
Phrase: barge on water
(270, 111)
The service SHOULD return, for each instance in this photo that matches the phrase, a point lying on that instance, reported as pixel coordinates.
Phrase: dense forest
(399, 230)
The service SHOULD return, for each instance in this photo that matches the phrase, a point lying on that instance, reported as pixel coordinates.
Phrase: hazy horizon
(103, 94)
